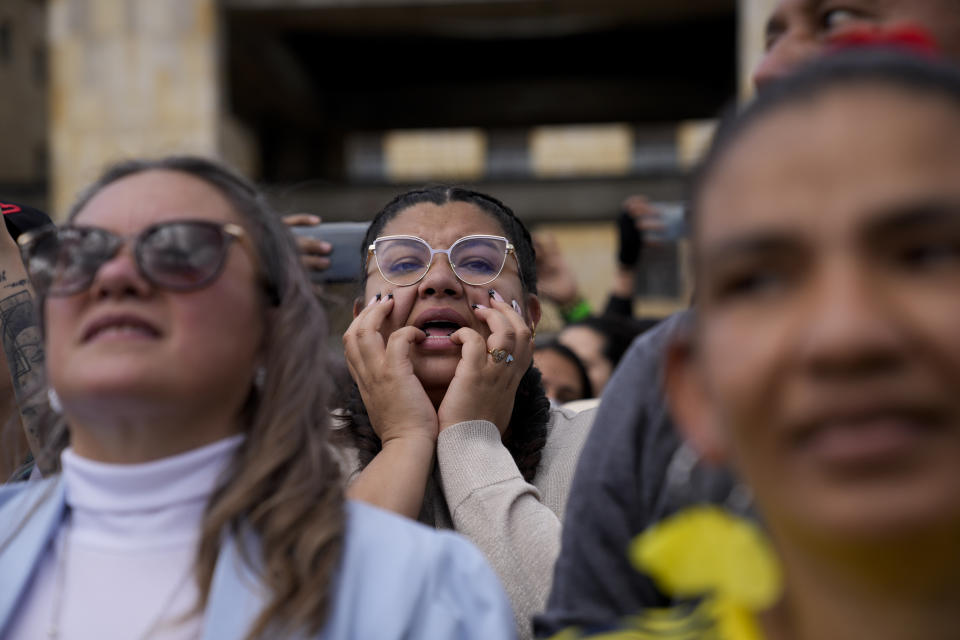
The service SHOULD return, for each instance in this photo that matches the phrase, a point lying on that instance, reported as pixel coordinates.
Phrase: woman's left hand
(482, 388)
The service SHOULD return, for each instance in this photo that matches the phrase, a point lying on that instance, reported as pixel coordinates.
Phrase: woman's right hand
(396, 402)
(399, 410)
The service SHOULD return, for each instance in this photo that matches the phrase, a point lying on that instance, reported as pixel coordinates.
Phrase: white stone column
(129, 78)
(753, 15)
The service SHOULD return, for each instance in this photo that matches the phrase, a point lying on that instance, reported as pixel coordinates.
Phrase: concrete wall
(23, 114)
(590, 249)
(753, 15)
(129, 78)
(143, 77)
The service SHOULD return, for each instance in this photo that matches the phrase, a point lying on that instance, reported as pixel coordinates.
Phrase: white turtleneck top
(122, 564)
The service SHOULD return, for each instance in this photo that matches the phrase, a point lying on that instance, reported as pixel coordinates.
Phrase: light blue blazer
(398, 579)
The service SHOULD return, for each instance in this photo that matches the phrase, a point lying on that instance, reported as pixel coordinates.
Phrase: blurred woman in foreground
(198, 495)
(824, 364)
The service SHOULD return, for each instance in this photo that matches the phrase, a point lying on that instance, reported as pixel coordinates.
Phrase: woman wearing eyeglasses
(448, 418)
(198, 496)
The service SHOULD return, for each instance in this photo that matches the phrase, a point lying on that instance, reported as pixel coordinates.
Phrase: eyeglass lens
(403, 261)
(181, 255)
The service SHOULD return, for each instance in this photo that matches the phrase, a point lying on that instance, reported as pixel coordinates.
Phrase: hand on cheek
(485, 383)
(395, 399)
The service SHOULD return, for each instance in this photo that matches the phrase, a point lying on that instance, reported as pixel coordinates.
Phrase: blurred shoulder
(29, 505)
(569, 426)
(421, 582)
(392, 541)
(15, 494)
(576, 406)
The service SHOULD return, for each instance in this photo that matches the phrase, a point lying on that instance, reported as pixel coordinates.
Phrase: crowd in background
(187, 460)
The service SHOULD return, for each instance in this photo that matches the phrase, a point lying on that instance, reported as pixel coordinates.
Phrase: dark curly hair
(527, 432)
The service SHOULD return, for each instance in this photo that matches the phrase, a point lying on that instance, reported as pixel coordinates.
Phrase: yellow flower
(734, 622)
(707, 552)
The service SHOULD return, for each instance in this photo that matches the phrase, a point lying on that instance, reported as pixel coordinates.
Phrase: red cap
(905, 36)
(19, 218)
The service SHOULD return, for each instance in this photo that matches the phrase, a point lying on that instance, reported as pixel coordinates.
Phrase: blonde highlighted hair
(284, 483)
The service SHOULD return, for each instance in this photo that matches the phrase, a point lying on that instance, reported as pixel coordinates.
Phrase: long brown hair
(284, 483)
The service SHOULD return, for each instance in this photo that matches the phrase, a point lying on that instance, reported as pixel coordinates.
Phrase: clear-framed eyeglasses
(475, 260)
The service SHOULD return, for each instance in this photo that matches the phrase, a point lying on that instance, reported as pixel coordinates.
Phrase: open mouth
(439, 323)
(439, 328)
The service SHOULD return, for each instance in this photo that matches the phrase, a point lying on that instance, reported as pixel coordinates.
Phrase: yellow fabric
(702, 552)
(706, 550)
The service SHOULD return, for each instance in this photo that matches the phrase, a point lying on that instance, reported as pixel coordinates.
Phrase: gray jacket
(620, 488)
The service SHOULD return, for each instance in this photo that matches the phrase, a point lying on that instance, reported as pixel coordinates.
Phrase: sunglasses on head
(475, 260)
(182, 255)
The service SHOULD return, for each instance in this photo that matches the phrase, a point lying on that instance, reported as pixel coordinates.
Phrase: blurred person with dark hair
(799, 31)
(600, 342)
(198, 494)
(558, 284)
(562, 374)
(621, 485)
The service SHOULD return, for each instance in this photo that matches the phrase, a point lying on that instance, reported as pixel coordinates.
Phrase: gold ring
(499, 355)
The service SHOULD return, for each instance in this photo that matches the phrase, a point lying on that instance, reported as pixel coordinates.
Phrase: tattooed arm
(14, 447)
(23, 355)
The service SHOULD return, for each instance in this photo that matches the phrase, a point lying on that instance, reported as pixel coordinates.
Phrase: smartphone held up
(346, 256)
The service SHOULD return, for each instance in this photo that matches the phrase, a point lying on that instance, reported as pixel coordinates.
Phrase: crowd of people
(777, 461)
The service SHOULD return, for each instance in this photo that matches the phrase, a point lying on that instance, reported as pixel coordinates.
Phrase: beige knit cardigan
(476, 489)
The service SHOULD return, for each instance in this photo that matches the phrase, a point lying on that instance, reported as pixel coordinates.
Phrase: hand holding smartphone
(346, 257)
(673, 222)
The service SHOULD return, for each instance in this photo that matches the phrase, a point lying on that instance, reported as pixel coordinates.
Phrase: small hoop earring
(54, 399)
(259, 378)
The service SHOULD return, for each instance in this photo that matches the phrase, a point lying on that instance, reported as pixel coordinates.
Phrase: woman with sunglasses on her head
(448, 418)
(199, 496)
